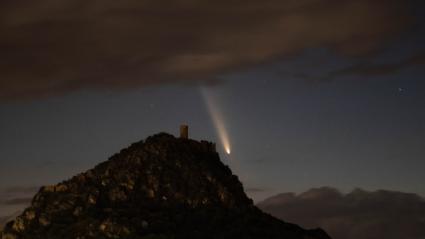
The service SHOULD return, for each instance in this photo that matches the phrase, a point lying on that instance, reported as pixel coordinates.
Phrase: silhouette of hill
(358, 214)
(163, 187)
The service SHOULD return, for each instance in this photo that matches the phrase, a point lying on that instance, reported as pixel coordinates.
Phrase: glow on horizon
(217, 119)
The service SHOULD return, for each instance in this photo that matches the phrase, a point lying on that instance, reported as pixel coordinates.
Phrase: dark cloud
(255, 190)
(20, 190)
(359, 214)
(50, 47)
(17, 201)
(370, 69)
(15, 198)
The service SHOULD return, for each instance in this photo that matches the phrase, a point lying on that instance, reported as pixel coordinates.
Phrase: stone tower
(184, 131)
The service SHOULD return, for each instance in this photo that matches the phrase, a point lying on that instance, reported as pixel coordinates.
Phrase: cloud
(369, 70)
(359, 214)
(14, 199)
(255, 190)
(17, 201)
(17, 195)
(52, 47)
(20, 190)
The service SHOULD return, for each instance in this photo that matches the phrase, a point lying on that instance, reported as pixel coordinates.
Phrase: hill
(163, 187)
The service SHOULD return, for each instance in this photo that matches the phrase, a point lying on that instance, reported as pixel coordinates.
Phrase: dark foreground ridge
(164, 187)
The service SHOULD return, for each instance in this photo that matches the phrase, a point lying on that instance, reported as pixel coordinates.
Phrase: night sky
(311, 93)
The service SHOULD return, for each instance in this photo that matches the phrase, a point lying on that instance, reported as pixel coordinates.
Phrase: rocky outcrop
(164, 187)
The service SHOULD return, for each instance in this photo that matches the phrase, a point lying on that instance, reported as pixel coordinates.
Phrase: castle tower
(184, 131)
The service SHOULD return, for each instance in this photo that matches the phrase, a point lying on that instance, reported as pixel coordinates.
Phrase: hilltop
(163, 187)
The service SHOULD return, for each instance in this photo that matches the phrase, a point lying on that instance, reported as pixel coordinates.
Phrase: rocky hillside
(163, 187)
(4, 220)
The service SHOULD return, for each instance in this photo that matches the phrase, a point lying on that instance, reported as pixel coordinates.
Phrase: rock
(43, 221)
(8, 236)
(164, 187)
(145, 224)
(7, 219)
(19, 224)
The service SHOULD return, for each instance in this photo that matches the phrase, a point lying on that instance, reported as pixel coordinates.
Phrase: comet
(217, 119)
